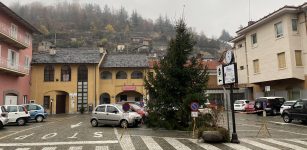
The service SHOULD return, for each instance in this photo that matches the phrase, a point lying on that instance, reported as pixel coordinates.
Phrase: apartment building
(15, 57)
(271, 54)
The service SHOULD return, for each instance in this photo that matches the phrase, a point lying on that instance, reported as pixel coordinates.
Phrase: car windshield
(289, 103)
(238, 102)
(3, 109)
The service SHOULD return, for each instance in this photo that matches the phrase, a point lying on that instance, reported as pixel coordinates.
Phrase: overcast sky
(209, 16)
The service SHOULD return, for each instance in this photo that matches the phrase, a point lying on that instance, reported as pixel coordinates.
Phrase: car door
(100, 114)
(12, 113)
(112, 115)
(297, 110)
(32, 110)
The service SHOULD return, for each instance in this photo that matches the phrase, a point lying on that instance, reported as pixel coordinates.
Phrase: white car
(3, 117)
(239, 105)
(17, 114)
(286, 105)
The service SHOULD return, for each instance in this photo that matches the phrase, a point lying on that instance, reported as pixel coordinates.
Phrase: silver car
(113, 114)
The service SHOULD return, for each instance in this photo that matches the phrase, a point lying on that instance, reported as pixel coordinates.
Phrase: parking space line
(75, 148)
(101, 148)
(49, 148)
(288, 145)
(59, 143)
(20, 131)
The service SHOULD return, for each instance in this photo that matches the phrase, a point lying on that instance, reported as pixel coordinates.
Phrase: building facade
(271, 54)
(15, 57)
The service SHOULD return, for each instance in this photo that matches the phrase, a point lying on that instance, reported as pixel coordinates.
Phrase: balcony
(14, 69)
(17, 41)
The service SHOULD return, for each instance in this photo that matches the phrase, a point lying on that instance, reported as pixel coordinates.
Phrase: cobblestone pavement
(74, 132)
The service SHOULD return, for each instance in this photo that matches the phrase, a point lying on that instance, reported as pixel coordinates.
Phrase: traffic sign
(194, 106)
(220, 75)
(230, 74)
(126, 107)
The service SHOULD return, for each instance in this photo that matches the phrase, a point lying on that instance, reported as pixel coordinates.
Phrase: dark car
(269, 104)
(298, 111)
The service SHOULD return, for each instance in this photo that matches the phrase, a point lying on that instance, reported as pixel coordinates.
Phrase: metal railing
(6, 30)
(12, 66)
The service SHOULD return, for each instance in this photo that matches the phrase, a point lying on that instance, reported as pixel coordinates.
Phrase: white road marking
(49, 148)
(236, 146)
(74, 136)
(50, 135)
(101, 148)
(297, 141)
(23, 137)
(258, 144)
(75, 148)
(176, 144)
(125, 142)
(205, 145)
(22, 149)
(98, 134)
(288, 145)
(75, 125)
(151, 143)
(19, 132)
(60, 143)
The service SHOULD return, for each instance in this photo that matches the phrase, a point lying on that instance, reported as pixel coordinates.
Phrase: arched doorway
(129, 96)
(104, 98)
(11, 99)
(57, 102)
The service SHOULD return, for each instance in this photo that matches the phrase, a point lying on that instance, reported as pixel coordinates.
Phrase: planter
(212, 136)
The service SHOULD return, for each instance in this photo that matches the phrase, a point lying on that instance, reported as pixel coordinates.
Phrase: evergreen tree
(178, 80)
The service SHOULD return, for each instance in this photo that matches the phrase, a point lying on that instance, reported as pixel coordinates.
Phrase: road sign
(194, 106)
(220, 75)
(230, 74)
(194, 114)
(126, 107)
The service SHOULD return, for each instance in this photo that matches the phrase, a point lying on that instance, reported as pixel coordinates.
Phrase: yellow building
(64, 80)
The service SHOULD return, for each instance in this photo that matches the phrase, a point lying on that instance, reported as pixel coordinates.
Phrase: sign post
(220, 75)
(126, 108)
(194, 114)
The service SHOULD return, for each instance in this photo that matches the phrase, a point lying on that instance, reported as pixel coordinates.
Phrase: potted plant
(82, 110)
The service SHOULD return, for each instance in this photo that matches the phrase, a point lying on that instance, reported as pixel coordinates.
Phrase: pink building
(15, 57)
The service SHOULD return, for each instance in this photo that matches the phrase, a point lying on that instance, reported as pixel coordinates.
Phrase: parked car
(250, 107)
(3, 117)
(17, 114)
(239, 105)
(113, 114)
(286, 105)
(37, 112)
(269, 104)
(298, 111)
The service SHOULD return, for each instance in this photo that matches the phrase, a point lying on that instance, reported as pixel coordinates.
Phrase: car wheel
(259, 113)
(286, 118)
(274, 112)
(39, 119)
(94, 123)
(21, 121)
(124, 123)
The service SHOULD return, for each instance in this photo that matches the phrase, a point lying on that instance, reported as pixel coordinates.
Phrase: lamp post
(234, 137)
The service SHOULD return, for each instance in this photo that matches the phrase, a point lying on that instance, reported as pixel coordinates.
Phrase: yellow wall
(115, 86)
(39, 88)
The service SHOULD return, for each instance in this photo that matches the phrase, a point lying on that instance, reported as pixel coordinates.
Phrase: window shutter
(17, 60)
(9, 58)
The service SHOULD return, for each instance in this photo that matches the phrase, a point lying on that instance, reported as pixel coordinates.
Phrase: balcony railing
(18, 40)
(9, 67)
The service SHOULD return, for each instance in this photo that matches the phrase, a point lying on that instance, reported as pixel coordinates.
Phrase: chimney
(250, 23)
(52, 50)
(102, 50)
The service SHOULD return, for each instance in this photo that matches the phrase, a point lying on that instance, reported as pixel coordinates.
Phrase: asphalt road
(74, 132)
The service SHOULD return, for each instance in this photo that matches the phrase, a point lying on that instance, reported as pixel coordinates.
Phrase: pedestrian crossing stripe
(175, 143)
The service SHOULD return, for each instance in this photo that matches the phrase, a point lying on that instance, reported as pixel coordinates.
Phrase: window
(13, 59)
(11, 108)
(82, 73)
(294, 24)
(240, 45)
(25, 99)
(281, 60)
(111, 109)
(136, 75)
(49, 73)
(278, 29)
(106, 75)
(27, 62)
(101, 109)
(256, 66)
(65, 73)
(254, 38)
(46, 102)
(28, 38)
(21, 108)
(14, 31)
(121, 75)
(298, 105)
(298, 58)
